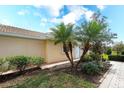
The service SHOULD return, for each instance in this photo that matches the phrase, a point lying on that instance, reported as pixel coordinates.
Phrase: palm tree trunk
(66, 51)
(81, 58)
(71, 52)
(86, 48)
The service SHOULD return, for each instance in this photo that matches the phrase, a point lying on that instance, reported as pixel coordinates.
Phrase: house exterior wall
(12, 46)
(54, 52)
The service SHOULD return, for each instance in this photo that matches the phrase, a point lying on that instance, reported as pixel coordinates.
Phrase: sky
(41, 18)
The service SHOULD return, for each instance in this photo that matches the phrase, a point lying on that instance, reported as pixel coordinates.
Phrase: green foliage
(90, 68)
(3, 65)
(63, 33)
(105, 56)
(36, 60)
(114, 53)
(116, 58)
(119, 47)
(19, 61)
(122, 53)
(104, 65)
(109, 51)
(87, 58)
(1, 61)
(95, 56)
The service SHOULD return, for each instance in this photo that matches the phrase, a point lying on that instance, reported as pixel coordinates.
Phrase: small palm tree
(91, 32)
(64, 34)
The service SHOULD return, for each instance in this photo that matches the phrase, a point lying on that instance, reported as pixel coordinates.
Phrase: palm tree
(64, 34)
(91, 32)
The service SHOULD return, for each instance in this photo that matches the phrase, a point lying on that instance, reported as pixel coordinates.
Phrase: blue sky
(41, 18)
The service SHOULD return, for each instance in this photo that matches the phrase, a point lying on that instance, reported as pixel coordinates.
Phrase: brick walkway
(115, 77)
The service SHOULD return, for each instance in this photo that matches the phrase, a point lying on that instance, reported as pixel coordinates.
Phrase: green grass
(114, 52)
(57, 80)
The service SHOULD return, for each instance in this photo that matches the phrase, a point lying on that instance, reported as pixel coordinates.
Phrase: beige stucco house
(17, 41)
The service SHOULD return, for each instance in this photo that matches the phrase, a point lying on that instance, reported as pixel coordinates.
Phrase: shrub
(19, 61)
(109, 51)
(1, 61)
(36, 60)
(95, 57)
(122, 53)
(90, 68)
(3, 65)
(114, 53)
(116, 58)
(87, 58)
(104, 65)
(104, 57)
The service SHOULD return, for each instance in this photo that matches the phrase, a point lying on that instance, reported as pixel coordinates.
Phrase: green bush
(116, 58)
(95, 57)
(19, 61)
(87, 58)
(103, 66)
(3, 65)
(109, 51)
(1, 61)
(122, 53)
(114, 53)
(90, 68)
(36, 60)
(105, 57)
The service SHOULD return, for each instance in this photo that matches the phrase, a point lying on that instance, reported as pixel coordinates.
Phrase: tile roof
(19, 32)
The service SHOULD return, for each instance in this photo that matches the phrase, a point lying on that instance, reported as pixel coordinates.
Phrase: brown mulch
(19, 79)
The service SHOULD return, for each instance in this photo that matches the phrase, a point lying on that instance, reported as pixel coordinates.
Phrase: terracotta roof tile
(19, 31)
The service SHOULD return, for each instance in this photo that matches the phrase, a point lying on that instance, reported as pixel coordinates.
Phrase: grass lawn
(54, 80)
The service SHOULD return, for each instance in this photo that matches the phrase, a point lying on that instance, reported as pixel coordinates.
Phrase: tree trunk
(71, 52)
(81, 58)
(86, 48)
(67, 54)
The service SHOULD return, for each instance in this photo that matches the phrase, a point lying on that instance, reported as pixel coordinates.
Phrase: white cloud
(101, 7)
(88, 15)
(75, 14)
(69, 18)
(54, 10)
(43, 22)
(56, 20)
(23, 12)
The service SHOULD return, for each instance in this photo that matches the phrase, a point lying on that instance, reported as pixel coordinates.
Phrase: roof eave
(22, 36)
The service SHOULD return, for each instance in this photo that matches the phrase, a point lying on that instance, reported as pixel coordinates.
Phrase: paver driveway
(115, 77)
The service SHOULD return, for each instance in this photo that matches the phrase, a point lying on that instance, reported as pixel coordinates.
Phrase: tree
(119, 47)
(64, 34)
(94, 32)
(109, 51)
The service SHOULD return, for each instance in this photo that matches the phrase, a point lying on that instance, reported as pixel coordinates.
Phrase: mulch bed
(17, 77)
(14, 74)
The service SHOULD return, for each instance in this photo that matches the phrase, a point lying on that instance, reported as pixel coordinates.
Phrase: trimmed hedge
(116, 58)
(20, 62)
